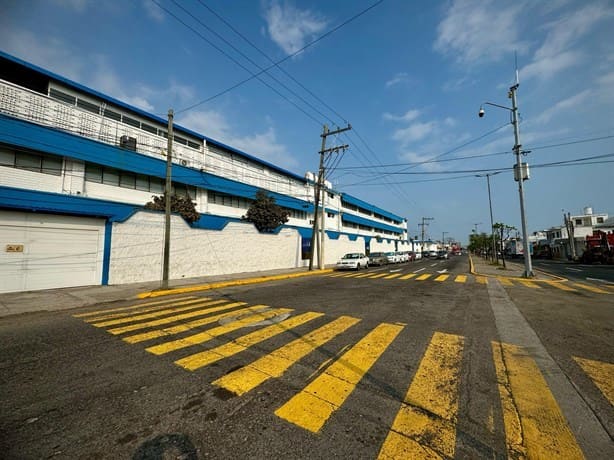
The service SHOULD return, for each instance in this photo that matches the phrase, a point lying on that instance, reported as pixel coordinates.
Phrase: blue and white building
(77, 167)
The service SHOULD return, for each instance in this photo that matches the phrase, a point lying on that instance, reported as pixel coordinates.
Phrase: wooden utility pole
(423, 224)
(319, 188)
(167, 207)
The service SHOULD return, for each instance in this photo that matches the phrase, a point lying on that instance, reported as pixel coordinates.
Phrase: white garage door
(43, 251)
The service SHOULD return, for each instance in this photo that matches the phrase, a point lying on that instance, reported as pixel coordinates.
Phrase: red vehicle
(599, 248)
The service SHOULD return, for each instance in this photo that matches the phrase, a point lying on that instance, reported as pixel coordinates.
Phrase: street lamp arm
(497, 105)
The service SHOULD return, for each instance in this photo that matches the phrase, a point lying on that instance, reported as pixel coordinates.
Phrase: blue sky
(408, 76)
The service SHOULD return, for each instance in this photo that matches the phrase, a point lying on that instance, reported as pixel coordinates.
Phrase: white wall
(335, 249)
(137, 249)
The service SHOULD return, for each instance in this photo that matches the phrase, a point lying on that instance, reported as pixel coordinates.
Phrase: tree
(501, 227)
(265, 214)
(180, 204)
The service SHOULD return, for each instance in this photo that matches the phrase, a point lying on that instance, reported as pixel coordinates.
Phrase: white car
(393, 258)
(353, 261)
(403, 256)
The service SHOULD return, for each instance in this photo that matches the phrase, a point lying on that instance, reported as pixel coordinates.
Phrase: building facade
(77, 167)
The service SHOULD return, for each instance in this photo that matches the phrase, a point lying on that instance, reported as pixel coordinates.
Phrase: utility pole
(570, 234)
(443, 240)
(319, 187)
(167, 203)
(424, 222)
(476, 228)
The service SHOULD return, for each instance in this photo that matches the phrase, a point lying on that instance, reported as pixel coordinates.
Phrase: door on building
(44, 251)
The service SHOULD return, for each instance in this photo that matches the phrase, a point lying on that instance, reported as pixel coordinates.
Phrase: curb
(557, 279)
(223, 284)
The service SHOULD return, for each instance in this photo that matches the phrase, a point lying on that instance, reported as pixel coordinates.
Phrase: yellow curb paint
(534, 424)
(602, 375)
(205, 358)
(313, 406)
(442, 277)
(528, 284)
(203, 337)
(588, 287)
(393, 276)
(193, 324)
(505, 281)
(407, 277)
(423, 277)
(279, 361)
(155, 314)
(561, 286)
(223, 284)
(174, 318)
(481, 279)
(131, 307)
(425, 426)
(460, 279)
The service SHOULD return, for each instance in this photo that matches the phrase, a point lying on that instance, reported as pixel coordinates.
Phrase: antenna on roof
(516, 65)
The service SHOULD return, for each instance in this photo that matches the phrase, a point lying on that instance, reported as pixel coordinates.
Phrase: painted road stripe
(602, 374)
(277, 362)
(425, 426)
(203, 337)
(205, 358)
(529, 284)
(481, 279)
(379, 275)
(406, 277)
(174, 318)
(588, 287)
(505, 281)
(96, 319)
(313, 406)
(130, 307)
(460, 279)
(442, 277)
(155, 314)
(560, 285)
(423, 277)
(534, 424)
(393, 276)
(192, 324)
(364, 275)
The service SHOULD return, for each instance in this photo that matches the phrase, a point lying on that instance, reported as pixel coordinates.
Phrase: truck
(599, 248)
(514, 248)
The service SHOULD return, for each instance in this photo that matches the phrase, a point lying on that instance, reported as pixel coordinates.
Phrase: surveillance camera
(481, 112)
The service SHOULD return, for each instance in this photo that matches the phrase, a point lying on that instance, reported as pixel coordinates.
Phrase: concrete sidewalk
(16, 303)
(513, 269)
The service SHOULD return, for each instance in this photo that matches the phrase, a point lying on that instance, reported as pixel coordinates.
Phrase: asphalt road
(581, 272)
(400, 361)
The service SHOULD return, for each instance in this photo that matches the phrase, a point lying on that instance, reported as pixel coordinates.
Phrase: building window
(31, 161)
(600, 220)
(578, 221)
(61, 96)
(112, 115)
(131, 121)
(149, 128)
(330, 215)
(85, 105)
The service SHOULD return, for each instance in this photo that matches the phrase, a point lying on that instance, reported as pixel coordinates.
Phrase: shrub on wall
(265, 214)
(180, 204)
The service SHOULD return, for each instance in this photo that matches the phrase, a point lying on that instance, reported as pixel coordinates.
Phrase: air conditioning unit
(127, 142)
(184, 162)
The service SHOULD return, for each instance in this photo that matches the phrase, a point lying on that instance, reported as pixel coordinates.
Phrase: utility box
(524, 172)
(127, 142)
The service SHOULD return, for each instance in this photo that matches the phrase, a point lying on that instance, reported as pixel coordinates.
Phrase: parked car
(353, 261)
(432, 254)
(378, 258)
(411, 255)
(418, 255)
(393, 257)
(403, 257)
(442, 254)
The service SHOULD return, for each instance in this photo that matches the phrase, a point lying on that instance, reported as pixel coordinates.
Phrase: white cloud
(547, 67)
(397, 79)
(476, 30)
(77, 5)
(153, 11)
(408, 116)
(291, 28)
(563, 105)
(414, 132)
(262, 145)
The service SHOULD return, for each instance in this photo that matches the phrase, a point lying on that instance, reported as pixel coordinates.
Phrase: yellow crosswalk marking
(481, 279)
(192, 324)
(277, 362)
(133, 312)
(534, 424)
(393, 276)
(588, 287)
(130, 307)
(155, 314)
(425, 426)
(406, 277)
(174, 318)
(240, 344)
(364, 275)
(602, 374)
(313, 406)
(460, 279)
(529, 284)
(203, 337)
(442, 277)
(423, 277)
(560, 285)
(379, 275)
(505, 281)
